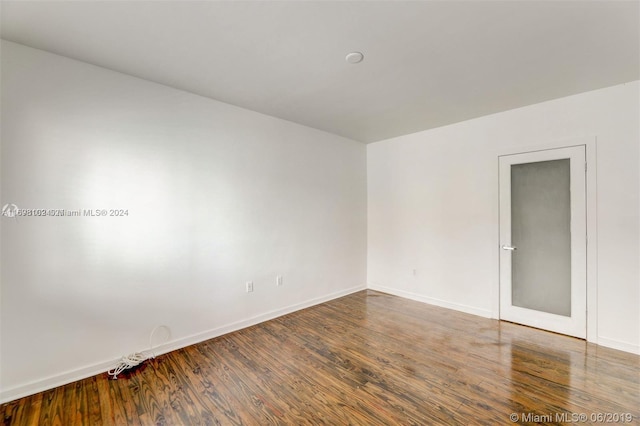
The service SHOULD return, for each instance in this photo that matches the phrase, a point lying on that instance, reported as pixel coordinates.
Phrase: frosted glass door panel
(541, 233)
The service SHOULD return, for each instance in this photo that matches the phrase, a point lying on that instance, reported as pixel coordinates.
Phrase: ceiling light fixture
(354, 57)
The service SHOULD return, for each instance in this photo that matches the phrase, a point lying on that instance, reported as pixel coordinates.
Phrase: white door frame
(576, 323)
(590, 144)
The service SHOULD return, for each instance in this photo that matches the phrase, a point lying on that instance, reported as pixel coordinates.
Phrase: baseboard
(486, 313)
(54, 381)
(616, 344)
(210, 334)
(71, 376)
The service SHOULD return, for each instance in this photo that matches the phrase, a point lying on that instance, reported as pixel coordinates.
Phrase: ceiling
(427, 63)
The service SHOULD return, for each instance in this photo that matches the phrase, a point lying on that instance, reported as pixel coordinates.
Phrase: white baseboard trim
(71, 376)
(486, 313)
(51, 382)
(616, 344)
(210, 334)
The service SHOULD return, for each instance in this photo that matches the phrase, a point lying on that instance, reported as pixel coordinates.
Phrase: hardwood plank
(161, 410)
(74, 404)
(223, 408)
(51, 412)
(93, 415)
(365, 359)
(123, 404)
(25, 411)
(107, 415)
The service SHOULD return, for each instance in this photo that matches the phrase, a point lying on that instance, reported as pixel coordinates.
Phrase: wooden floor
(365, 359)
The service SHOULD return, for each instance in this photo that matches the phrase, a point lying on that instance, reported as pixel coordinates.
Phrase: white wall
(433, 206)
(216, 195)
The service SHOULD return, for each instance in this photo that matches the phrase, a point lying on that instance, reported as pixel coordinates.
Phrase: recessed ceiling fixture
(354, 57)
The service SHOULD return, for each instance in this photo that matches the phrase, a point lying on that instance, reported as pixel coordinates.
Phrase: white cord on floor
(127, 362)
(137, 358)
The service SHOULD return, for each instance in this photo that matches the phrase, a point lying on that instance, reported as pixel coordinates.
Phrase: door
(543, 256)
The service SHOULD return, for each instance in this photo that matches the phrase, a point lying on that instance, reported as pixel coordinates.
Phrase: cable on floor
(137, 358)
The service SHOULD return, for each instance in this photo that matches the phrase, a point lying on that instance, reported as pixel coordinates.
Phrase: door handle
(509, 248)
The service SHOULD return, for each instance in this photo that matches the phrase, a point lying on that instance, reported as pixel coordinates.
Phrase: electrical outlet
(249, 286)
(279, 280)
